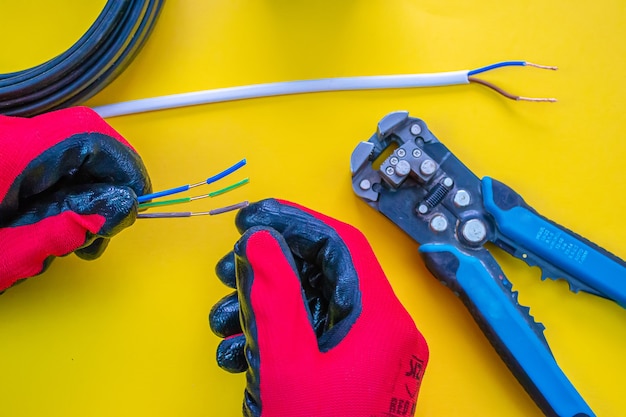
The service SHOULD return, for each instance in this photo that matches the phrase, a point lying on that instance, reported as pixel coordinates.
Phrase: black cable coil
(95, 60)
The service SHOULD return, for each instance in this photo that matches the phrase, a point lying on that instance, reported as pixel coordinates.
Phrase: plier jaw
(404, 172)
(421, 186)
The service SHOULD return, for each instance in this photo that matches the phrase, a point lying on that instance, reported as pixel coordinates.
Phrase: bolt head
(365, 185)
(439, 223)
(416, 129)
(474, 231)
(403, 168)
(428, 167)
(462, 198)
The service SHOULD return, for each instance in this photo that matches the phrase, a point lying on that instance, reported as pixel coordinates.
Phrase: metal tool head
(408, 161)
(404, 172)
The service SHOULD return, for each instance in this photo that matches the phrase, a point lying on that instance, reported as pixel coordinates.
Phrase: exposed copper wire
(213, 212)
(509, 95)
(547, 67)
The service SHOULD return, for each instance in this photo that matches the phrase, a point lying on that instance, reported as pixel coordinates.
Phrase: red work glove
(314, 322)
(68, 182)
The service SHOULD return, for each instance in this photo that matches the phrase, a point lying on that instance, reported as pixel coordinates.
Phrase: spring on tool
(434, 196)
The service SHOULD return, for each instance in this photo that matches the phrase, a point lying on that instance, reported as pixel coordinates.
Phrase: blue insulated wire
(496, 65)
(219, 176)
(226, 172)
(144, 198)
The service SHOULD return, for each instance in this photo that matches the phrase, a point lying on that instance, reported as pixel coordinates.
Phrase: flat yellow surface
(127, 335)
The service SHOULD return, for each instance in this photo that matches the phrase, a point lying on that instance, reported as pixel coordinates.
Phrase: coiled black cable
(95, 60)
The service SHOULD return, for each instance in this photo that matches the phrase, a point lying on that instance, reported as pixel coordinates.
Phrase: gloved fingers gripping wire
(146, 203)
(315, 86)
(68, 183)
(71, 183)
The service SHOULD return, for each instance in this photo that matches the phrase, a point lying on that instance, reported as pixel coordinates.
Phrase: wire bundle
(472, 79)
(95, 60)
(145, 201)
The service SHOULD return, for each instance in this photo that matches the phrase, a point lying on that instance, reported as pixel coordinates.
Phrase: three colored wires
(146, 201)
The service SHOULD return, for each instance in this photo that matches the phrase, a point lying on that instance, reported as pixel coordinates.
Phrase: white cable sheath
(283, 88)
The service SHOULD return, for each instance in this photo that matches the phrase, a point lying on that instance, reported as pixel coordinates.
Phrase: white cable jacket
(283, 88)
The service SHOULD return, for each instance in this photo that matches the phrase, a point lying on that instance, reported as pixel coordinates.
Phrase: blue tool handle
(480, 283)
(554, 248)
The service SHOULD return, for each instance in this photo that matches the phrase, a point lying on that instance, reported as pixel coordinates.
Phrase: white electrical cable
(283, 88)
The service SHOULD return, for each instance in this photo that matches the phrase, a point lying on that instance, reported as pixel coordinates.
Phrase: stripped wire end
(503, 64)
(198, 197)
(537, 99)
(507, 94)
(213, 212)
(546, 67)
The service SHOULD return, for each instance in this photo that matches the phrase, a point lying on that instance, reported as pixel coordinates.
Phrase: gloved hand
(68, 182)
(314, 321)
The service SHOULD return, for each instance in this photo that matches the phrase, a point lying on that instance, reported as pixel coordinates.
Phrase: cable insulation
(219, 95)
(95, 60)
(282, 88)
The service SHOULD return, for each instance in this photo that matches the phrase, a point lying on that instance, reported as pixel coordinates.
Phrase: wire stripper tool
(428, 192)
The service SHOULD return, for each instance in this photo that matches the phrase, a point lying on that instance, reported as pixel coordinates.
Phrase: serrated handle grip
(480, 283)
(584, 264)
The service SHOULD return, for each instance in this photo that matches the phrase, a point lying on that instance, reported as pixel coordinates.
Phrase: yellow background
(127, 335)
